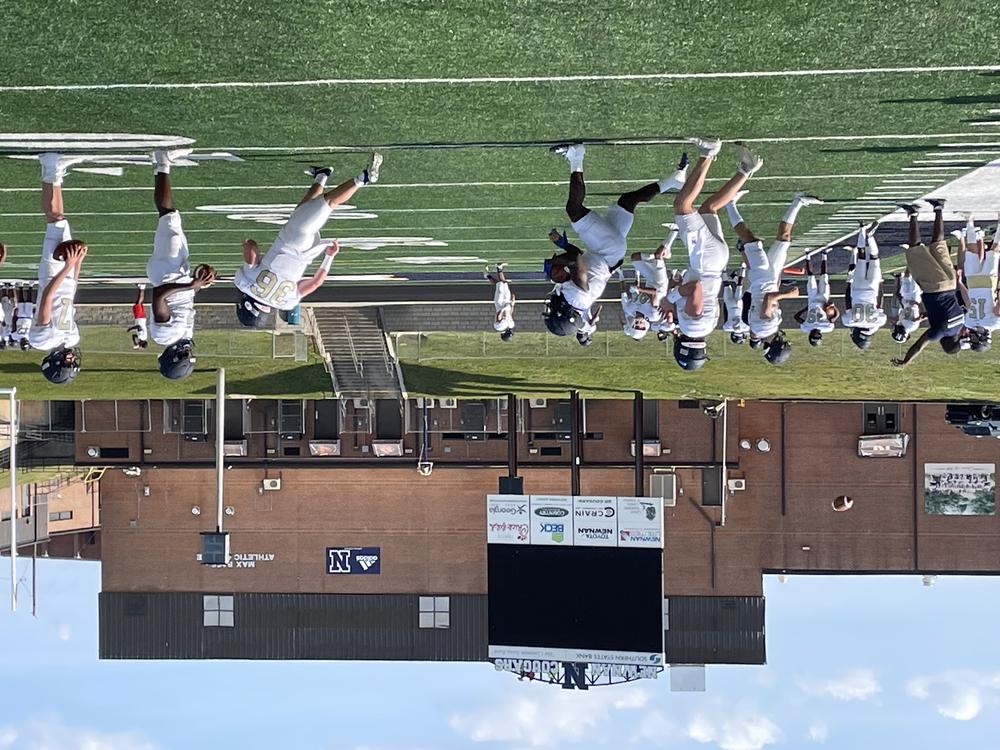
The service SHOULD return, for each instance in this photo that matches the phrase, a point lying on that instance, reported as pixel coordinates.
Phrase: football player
(908, 296)
(138, 329)
(863, 312)
(8, 304)
(168, 270)
(942, 290)
(24, 313)
(696, 298)
(643, 303)
(503, 302)
(53, 327)
(580, 277)
(977, 269)
(732, 311)
(764, 270)
(3, 253)
(273, 280)
(819, 315)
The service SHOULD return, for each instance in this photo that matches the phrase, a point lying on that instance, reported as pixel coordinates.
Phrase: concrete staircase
(354, 342)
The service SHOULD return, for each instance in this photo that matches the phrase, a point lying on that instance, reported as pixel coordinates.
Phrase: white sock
(161, 168)
(320, 180)
(576, 164)
(862, 239)
(792, 211)
(735, 217)
(872, 248)
(671, 238)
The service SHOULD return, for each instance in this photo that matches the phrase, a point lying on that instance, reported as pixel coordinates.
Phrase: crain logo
(550, 512)
(607, 512)
(557, 530)
(517, 510)
(366, 561)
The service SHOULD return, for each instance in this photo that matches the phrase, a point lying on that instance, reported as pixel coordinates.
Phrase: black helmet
(777, 350)
(57, 370)
(560, 317)
(177, 360)
(980, 340)
(584, 339)
(663, 335)
(815, 337)
(899, 333)
(737, 337)
(690, 354)
(252, 314)
(507, 334)
(756, 343)
(861, 338)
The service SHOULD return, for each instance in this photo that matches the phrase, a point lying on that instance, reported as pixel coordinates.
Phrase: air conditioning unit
(360, 403)
(234, 448)
(387, 448)
(537, 403)
(665, 486)
(650, 448)
(271, 484)
(736, 485)
(324, 447)
(449, 403)
(422, 402)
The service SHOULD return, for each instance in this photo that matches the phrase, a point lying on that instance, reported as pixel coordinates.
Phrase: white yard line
(417, 81)
(429, 185)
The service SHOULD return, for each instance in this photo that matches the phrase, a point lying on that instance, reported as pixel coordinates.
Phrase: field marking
(357, 148)
(476, 80)
(428, 185)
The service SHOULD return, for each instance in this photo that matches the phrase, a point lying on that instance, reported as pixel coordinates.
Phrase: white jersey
(981, 280)
(635, 301)
(598, 275)
(817, 298)
(699, 326)
(7, 306)
(816, 320)
(503, 304)
(143, 333)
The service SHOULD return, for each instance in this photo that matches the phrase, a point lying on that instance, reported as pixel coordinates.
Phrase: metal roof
(715, 630)
(169, 625)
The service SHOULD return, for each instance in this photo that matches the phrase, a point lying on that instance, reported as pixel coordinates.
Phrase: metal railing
(359, 366)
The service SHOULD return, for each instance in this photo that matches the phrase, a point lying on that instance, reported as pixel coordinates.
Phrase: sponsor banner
(960, 489)
(507, 519)
(551, 520)
(354, 560)
(640, 522)
(596, 672)
(595, 521)
(575, 655)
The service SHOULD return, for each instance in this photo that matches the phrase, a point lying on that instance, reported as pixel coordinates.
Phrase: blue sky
(853, 662)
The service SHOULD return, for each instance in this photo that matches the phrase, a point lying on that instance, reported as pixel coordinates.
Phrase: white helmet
(634, 329)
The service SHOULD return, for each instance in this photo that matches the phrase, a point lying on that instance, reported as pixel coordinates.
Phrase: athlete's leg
(575, 209)
(695, 181)
(163, 198)
(737, 222)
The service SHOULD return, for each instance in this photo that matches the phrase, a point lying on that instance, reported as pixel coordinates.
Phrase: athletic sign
(551, 520)
(595, 521)
(507, 520)
(354, 560)
(640, 522)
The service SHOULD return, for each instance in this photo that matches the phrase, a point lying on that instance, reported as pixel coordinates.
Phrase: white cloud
(51, 734)
(64, 632)
(546, 717)
(957, 694)
(852, 685)
(818, 732)
(749, 732)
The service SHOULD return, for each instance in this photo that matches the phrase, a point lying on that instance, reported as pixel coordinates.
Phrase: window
(62, 515)
(435, 612)
(218, 611)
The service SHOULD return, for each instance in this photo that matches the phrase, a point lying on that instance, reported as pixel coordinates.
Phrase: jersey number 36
(267, 288)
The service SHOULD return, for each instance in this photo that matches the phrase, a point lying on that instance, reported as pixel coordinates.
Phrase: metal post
(220, 427)
(574, 446)
(12, 399)
(512, 435)
(637, 433)
(725, 469)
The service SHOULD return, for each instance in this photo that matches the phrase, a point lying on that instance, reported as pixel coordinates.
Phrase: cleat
(141, 286)
(572, 152)
(749, 161)
(168, 158)
(54, 167)
(315, 172)
(501, 266)
(806, 199)
(936, 204)
(707, 147)
(912, 209)
(560, 149)
(371, 172)
(682, 165)
(904, 246)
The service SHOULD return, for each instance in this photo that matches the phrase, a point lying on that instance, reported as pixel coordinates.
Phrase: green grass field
(467, 179)
(111, 369)
(470, 364)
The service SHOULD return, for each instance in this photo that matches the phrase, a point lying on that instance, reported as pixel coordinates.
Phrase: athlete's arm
(836, 314)
(579, 272)
(74, 257)
(918, 346)
(308, 286)
(963, 292)
(3, 252)
(251, 253)
(203, 276)
(848, 304)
